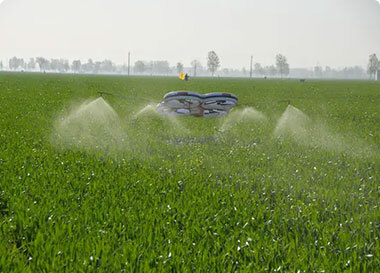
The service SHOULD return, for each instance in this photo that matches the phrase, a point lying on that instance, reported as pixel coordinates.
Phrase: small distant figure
(186, 77)
(265, 77)
(302, 80)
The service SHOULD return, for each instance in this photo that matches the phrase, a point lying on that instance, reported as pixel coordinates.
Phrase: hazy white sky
(309, 32)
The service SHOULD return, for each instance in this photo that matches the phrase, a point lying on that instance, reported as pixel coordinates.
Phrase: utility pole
(129, 62)
(250, 71)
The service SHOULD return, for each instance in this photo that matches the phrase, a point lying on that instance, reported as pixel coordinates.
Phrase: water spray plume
(246, 114)
(177, 125)
(146, 110)
(92, 125)
(296, 125)
(293, 122)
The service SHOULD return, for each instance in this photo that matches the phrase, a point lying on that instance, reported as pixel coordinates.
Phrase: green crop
(189, 194)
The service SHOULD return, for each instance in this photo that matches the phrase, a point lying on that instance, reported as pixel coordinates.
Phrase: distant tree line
(319, 72)
(281, 68)
(63, 65)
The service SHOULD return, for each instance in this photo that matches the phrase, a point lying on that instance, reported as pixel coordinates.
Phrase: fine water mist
(148, 110)
(177, 125)
(244, 115)
(296, 125)
(293, 123)
(92, 125)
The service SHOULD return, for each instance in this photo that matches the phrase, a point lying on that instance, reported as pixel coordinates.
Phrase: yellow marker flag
(182, 76)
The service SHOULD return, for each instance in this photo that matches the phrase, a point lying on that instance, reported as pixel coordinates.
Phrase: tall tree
(107, 66)
(160, 67)
(54, 64)
(42, 63)
(16, 63)
(179, 67)
(373, 65)
(76, 66)
(213, 62)
(282, 65)
(65, 65)
(139, 67)
(271, 70)
(13, 63)
(89, 66)
(22, 63)
(31, 64)
(259, 70)
(195, 64)
(97, 67)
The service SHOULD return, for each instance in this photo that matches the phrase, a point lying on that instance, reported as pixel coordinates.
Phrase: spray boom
(121, 96)
(186, 103)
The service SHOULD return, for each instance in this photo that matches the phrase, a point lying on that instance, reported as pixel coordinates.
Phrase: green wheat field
(90, 184)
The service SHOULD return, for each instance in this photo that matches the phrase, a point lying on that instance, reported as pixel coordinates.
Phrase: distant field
(258, 191)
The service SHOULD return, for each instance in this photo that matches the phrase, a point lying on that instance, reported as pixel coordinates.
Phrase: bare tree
(89, 66)
(54, 64)
(16, 63)
(65, 65)
(107, 66)
(42, 63)
(160, 67)
(62, 65)
(179, 67)
(259, 70)
(195, 64)
(373, 65)
(76, 66)
(13, 63)
(212, 62)
(271, 70)
(31, 64)
(97, 67)
(139, 67)
(282, 65)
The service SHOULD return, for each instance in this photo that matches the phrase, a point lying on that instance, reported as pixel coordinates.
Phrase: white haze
(309, 32)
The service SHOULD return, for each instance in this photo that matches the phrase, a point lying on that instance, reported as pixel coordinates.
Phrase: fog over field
(337, 33)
